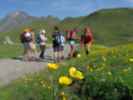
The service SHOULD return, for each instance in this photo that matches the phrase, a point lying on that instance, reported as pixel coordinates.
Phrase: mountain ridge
(110, 26)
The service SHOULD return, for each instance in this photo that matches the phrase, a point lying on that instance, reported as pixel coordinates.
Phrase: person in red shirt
(87, 39)
(71, 38)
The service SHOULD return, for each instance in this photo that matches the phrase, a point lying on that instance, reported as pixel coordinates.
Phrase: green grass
(15, 50)
(9, 51)
(108, 66)
(110, 27)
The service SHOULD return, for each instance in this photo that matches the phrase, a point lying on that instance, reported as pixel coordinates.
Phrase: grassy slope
(10, 51)
(40, 85)
(109, 26)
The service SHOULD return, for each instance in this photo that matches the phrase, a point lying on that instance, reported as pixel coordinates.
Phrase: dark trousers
(42, 48)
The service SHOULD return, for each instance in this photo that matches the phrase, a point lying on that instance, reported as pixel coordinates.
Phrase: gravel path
(11, 69)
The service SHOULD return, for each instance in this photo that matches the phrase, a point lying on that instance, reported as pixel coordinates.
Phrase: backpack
(38, 39)
(62, 40)
(59, 39)
(22, 37)
(26, 37)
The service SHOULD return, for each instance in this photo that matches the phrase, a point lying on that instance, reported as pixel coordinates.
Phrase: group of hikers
(29, 41)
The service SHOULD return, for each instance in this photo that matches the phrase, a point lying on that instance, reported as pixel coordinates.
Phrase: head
(28, 30)
(87, 30)
(67, 31)
(56, 28)
(43, 31)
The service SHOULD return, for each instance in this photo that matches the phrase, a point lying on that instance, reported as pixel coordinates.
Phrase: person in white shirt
(42, 43)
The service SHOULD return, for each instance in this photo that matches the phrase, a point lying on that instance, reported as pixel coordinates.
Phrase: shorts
(32, 46)
(58, 48)
(26, 45)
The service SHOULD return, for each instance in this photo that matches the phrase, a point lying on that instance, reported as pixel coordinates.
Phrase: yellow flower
(109, 73)
(125, 70)
(79, 75)
(64, 98)
(64, 80)
(131, 59)
(44, 85)
(62, 94)
(74, 73)
(53, 66)
(49, 87)
(90, 69)
(78, 56)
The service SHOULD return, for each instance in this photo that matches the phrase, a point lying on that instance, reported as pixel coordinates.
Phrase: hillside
(110, 26)
(15, 19)
(14, 23)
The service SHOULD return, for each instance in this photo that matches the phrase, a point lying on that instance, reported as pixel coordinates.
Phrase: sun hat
(43, 31)
(28, 30)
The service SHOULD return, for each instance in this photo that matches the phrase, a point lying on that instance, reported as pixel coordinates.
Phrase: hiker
(71, 38)
(33, 49)
(58, 44)
(26, 38)
(87, 40)
(42, 42)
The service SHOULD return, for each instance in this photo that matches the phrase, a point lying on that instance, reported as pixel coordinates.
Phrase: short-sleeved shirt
(86, 38)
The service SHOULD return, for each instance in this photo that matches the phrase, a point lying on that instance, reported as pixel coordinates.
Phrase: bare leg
(55, 56)
(73, 49)
(87, 48)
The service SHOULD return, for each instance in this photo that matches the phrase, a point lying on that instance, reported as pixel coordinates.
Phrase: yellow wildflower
(49, 87)
(79, 75)
(125, 70)
(63, 96)
(78, 56)
(91, 69)
(64, 80)
(43, 85)
(74, 73)
(109, 73)
(53, 66)
(131, 59)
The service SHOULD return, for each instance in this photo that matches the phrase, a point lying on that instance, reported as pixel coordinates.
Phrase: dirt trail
(11, 69)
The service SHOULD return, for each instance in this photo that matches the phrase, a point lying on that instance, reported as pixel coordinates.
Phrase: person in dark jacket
(58, 44)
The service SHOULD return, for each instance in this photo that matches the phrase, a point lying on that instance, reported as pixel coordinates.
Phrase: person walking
(71, 38)
(42, 43)
(33, 49)
(87, 40)
(58, 44)
(26, 38)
